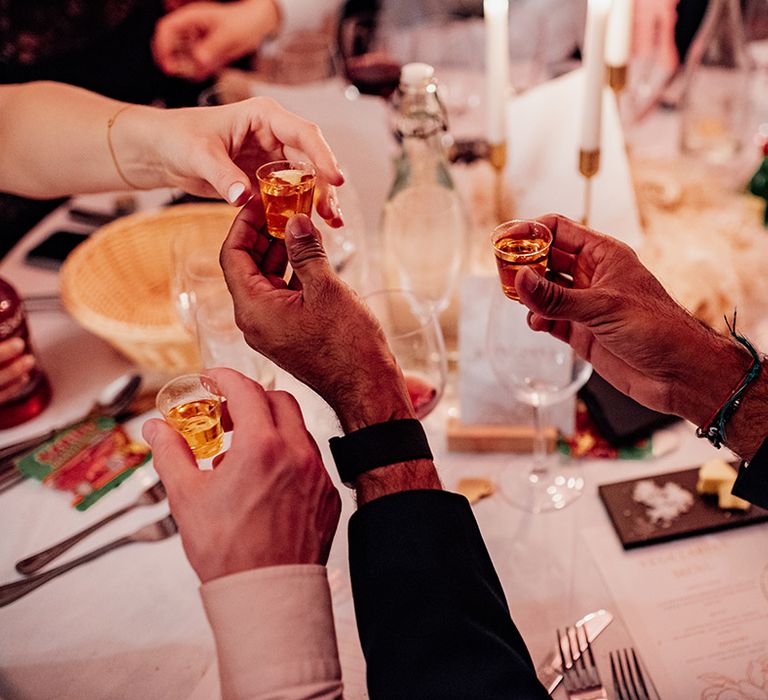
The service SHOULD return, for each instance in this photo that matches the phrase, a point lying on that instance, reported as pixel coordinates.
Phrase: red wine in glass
(423, 394)
(373, 74)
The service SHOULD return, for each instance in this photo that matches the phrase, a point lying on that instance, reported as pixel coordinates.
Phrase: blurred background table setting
(441, 139)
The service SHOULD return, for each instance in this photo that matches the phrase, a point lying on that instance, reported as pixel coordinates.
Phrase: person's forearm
(54, 140)
(696, 396)
(386, 401)
(264, 16)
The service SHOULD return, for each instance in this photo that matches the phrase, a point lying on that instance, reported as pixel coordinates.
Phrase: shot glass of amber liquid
(191, 404)
(518, 244)
(287, 188)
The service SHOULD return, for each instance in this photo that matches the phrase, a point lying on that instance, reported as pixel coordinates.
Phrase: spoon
(111, 402)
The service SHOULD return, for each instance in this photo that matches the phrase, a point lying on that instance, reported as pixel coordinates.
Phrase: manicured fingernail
(234, 192)
(300, 227)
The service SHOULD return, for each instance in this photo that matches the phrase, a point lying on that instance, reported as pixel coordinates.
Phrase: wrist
(707, 379)
(137, 135)
(406, 476)
(374, 401)
(700, 392)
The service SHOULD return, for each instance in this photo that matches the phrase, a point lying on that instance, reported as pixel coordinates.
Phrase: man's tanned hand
(319, 330)
(615, 314)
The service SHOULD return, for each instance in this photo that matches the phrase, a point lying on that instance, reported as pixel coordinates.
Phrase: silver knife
(549, 671)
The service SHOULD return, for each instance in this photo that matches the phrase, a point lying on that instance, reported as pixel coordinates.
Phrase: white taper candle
(594, 73)
(496, 14)
(618, 39)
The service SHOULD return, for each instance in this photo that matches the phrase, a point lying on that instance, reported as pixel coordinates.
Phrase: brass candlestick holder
(617, 79)
(498, 159)
(589, 166)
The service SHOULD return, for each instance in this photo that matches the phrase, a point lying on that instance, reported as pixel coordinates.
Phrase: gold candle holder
(589, 166)
(617, 78)
(498, 158)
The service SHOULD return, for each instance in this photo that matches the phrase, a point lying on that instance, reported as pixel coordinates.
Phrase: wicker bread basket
(117, 284)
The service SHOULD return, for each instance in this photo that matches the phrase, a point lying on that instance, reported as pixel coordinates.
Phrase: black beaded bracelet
(714, 429)
(377, 446)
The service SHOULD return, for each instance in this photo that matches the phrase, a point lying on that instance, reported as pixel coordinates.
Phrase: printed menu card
(697, 610)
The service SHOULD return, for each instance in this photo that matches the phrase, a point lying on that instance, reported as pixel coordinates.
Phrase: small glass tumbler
(287, 187)
(191, 404)
(518, 244)
(221, 342)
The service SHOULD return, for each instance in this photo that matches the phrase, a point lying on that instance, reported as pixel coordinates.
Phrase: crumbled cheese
(664, 503)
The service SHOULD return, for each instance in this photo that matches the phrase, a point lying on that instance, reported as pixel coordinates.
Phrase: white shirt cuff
(274, 633)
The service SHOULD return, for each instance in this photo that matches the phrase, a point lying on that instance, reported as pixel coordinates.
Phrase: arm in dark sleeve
(752, 481)
(431, 613)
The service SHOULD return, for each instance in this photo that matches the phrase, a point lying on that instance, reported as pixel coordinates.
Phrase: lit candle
(619, 36)
(594, 73)
(496, 14)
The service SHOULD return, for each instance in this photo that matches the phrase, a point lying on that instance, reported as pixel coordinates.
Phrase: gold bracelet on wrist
(110, 123)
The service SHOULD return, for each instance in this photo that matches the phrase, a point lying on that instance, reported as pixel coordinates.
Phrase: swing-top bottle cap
(416, 74)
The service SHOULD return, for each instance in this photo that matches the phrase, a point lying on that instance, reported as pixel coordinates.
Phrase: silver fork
(581, 678)
(627, 674)
(154, 532)
(35, 562)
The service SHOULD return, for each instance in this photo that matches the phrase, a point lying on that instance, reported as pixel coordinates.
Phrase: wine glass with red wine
(414, 335)
(367, 63)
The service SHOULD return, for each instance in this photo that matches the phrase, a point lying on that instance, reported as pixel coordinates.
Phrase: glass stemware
(195, 273)
(540, 371)
(416, 340)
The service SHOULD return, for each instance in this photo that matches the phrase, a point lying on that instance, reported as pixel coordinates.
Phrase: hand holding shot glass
(191, 404)
(287, 187)
(518, 244)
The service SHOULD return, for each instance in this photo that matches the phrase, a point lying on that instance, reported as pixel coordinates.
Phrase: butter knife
(549, 671)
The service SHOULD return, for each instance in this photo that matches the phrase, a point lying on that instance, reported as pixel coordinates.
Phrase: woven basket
(117, 284)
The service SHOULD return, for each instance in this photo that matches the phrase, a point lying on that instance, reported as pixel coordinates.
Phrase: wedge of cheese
(727, 501)
(714, 473)
(716, 478)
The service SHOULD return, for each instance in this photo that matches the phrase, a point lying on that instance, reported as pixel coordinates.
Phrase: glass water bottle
(424, 223)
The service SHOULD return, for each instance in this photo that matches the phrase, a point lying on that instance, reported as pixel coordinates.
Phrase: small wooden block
(475, 488)
(494, 438)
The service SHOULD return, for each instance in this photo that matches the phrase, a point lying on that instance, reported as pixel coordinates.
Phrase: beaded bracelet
(715, 427)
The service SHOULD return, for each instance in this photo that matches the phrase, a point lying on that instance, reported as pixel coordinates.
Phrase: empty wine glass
(195, 273)
(538, 370)
(416, 340)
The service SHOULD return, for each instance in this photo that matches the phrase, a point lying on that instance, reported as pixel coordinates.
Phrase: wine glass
(221, 342)
(416, 341)
(538, 370)
(195, 273)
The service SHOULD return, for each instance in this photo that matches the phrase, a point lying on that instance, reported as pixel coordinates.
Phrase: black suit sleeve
(752, 481)
(431, 613)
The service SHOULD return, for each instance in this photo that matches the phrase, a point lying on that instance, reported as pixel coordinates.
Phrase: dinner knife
(549, 671)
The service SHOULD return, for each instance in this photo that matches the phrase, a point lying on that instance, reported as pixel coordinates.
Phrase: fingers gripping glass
(191, 404)
(287, 187)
